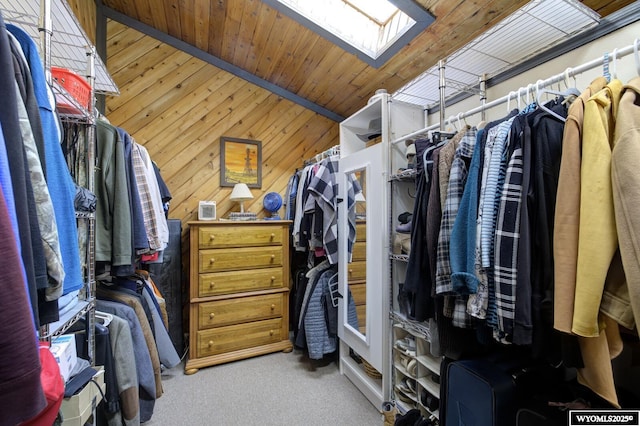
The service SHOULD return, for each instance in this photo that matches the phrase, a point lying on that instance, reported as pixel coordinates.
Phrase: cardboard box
(63, 349)
(77, 410)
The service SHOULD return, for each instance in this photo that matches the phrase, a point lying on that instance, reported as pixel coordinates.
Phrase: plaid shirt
(457, 179)
(506, 243)
(152, 210)
(324, 189)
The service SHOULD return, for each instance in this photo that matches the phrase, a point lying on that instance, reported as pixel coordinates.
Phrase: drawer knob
(210, 343)
(351, 271)
(211, 315)
(273, 236)
(273, 279)
(212, 237)
(273, 307)
(273, 256)
(211, 261)
(212, 285)
(270, 332)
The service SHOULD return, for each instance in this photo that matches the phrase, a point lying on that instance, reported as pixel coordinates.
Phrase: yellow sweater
(567, 213)
(598, 240)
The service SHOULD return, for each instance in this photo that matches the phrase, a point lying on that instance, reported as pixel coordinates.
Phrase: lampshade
(241, 193)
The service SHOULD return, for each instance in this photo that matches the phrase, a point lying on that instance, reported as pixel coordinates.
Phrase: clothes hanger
(539, 93)
(451, 123)
(509, 101)
(635, 55)
(605, 67)
(333, 290)
(458, 117)
(104, 317)
(614, 64)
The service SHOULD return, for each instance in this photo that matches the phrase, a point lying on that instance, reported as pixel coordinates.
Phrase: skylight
(372, 29)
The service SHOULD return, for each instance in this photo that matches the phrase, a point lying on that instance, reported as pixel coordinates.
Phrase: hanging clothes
(16, 162)
(113, 215)
(598, 240)
(567, 217)
(152, 207)
(59, 181)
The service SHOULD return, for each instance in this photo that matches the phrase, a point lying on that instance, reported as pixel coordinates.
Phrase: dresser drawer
(359, 293)
(214, 260)
(357, 271)
(239, 309)
(360, 251)
(215, 283)
(361, 231)
(238, 236)
(240, 336)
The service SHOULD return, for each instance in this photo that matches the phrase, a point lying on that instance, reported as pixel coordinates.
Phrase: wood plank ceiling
(261, 41)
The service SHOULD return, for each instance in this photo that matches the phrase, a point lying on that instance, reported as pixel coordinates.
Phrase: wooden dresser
(357, 274)
(238, 291)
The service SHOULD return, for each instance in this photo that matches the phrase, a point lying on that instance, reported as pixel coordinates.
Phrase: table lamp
(241, 193)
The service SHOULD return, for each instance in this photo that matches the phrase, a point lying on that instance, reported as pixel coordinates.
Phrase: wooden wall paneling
(268, 50)
(344, 73)
(281, 44)
(248, 30)
(120, 38)
(293, 158)
(290, 42)
(172, 13)
(606, 7)
(128, 7)
(346, 80)
(232, 34)
(178, 152)
(264, 25)
(202, 14)
(139, 111)
(150, 15)
(243, 43)
(288, 66)
(188, 20)
(195, 168)
(310, 64)
(311, 136)
(318, 78)
(216, 27)
(145, 72)
(128, 56)
(158, 16)
(310, 42)
(188, 111)
(85, 11)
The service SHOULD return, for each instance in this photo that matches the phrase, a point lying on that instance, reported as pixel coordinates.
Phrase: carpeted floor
(275, 389)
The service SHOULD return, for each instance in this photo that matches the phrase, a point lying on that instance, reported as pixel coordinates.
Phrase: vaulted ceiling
(256, 41)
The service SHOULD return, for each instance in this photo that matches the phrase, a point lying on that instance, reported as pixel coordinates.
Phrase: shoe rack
(416, 372)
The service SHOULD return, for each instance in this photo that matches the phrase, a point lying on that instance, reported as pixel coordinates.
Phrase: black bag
(481, 393)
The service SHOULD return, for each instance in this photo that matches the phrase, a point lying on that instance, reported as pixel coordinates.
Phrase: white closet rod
(569, 72)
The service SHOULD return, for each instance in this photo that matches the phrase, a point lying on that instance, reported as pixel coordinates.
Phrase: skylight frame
(421, 19)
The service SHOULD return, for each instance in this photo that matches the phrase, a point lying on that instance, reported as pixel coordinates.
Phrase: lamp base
(242, 216)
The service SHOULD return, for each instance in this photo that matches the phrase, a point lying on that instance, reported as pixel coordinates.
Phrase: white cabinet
(366, 148)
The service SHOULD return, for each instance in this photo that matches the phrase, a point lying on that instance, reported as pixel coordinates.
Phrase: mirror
(357, 269)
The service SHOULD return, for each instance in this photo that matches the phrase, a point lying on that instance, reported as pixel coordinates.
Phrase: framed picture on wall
(240, 162)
